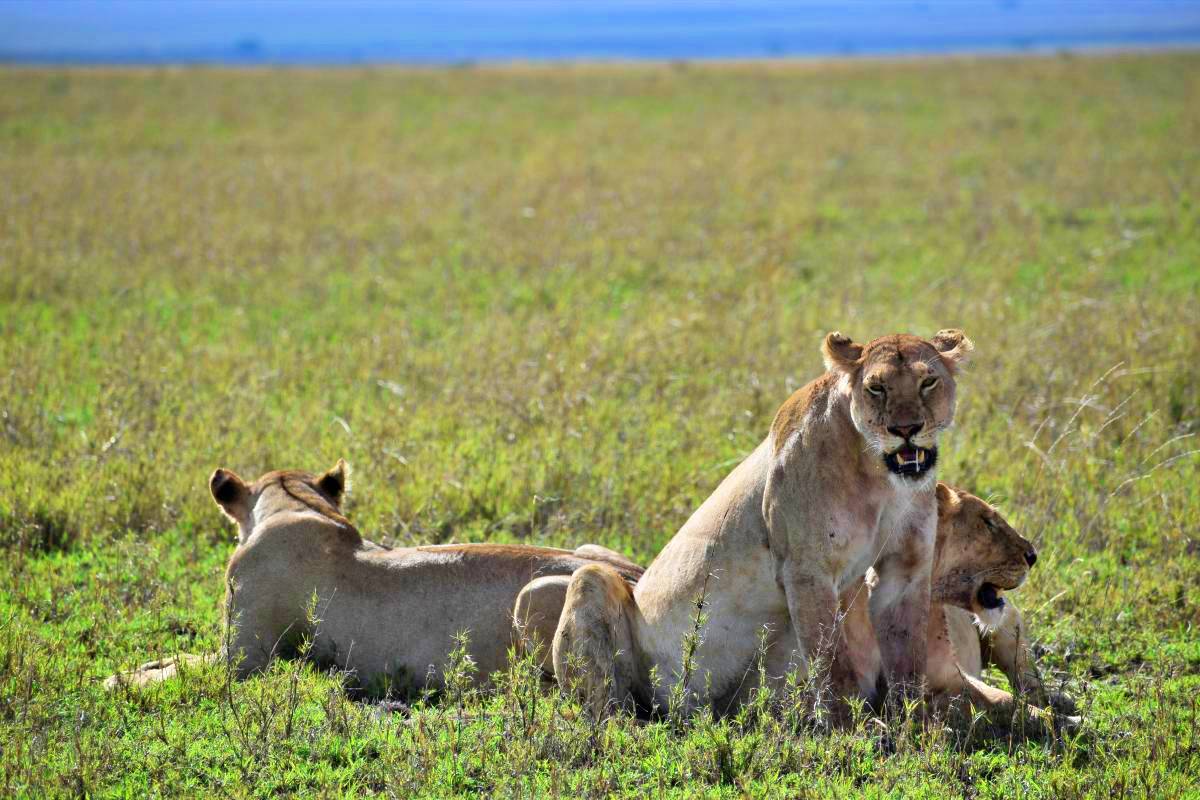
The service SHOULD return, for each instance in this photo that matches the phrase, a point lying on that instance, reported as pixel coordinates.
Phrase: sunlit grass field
(555, 305)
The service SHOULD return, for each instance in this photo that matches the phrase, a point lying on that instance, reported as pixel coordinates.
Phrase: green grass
(556, 305)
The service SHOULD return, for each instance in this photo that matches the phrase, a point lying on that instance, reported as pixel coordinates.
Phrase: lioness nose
(1031, 558)
(905, 431)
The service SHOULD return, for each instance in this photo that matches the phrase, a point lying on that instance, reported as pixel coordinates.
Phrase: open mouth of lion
(910, 461)
(990, 596)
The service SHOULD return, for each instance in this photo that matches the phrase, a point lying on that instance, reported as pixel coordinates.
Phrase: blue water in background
(464, 31)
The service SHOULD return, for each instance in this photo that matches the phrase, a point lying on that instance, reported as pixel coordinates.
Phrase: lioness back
(303, 581)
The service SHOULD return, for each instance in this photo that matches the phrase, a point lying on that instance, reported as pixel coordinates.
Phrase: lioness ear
(840, 353)
(947, 499)
(230, 492)
(334, 482)
(954, 346)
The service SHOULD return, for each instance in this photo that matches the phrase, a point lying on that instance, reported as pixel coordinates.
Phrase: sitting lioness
(843, 480)
(302, 571)
(977, 557)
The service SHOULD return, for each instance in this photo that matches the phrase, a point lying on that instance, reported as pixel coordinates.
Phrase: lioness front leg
(954, 664)
(861, 661)
(535, 617)
(900, 614)
(1008, 647)
(821, 633)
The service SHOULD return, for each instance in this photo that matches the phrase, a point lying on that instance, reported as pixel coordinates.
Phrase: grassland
(552, 305)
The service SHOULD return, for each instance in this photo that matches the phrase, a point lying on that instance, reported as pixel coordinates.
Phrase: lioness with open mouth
(302, 571)
(977, 558)
(844, 480)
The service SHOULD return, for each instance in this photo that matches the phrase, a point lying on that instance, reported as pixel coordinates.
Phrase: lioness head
(250, 504)
(978, 555)
(901, 393)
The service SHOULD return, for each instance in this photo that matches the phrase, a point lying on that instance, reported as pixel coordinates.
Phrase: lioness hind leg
(535, 617)
(593, 645)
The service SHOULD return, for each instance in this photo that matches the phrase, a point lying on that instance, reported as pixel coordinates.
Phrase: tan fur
(593, 643)
(540, 602)
(799, 521)
(975, 545)
(972, 540)
(979, 637)
(539, 605)
(157, 670)
(301, 571)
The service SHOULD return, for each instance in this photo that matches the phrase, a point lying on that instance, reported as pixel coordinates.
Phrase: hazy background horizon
(456, 31)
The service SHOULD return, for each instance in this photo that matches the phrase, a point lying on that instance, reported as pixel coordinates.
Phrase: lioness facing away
(977, 557)
(302, 571)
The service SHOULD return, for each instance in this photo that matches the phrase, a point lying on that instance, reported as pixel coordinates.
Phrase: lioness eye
(928, 384)
(875, 389)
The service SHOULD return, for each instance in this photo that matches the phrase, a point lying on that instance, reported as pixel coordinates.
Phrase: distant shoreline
(1097, 50)
(424, 33)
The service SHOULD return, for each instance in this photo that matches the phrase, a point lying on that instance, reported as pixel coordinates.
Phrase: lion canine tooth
(920, 456)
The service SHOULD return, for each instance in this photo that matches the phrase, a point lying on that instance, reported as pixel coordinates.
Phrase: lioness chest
(723, 555)
(881, 528)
